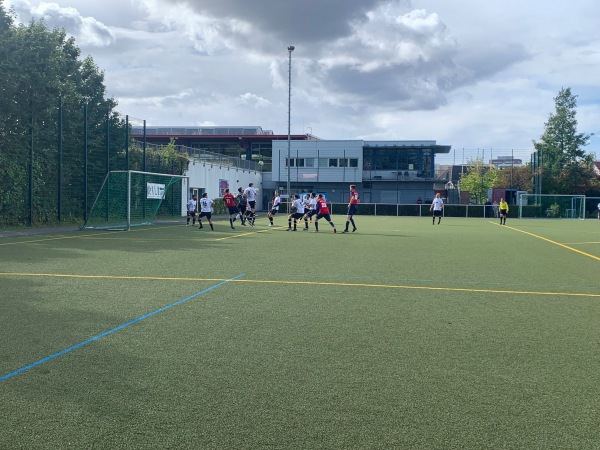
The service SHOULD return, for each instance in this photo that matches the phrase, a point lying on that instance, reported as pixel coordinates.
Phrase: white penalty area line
(548, 240)
(248, 233)
(311, 283)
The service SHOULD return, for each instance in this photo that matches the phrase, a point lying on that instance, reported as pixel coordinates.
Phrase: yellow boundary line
(312, 283)
(549, 240)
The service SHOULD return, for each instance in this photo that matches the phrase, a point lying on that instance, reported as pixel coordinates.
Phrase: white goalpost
(129, 198)
(547, 206)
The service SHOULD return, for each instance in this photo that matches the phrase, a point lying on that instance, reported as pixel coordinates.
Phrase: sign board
(155, 191)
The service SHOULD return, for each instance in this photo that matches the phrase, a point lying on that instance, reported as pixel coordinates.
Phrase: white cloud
(88, 31)
(466, 73)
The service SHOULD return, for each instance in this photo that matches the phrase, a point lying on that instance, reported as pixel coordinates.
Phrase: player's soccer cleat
(232, 227)
(353, 229)
(316, 231)
(270, 224)
(288, 229)
(334, 231)
(345, 231)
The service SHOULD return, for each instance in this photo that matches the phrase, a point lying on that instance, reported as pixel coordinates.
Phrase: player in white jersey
(191, 210)
(298, 208)
(437, 206)
(310, 209)
(250, 192)
(274, 207)
(205, 210)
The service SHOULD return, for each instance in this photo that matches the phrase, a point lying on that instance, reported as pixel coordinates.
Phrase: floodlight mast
(291, 48)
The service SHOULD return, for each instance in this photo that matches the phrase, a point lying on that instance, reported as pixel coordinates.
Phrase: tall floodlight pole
(290, 50)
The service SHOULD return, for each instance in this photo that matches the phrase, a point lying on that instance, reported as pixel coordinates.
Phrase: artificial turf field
(462, 335)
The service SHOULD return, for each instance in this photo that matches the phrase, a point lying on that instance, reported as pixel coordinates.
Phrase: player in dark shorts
(274, 207)
(242, 205)
(310, 209)
(229, 201)
(323, 213)
(298, 212)
(352, 208)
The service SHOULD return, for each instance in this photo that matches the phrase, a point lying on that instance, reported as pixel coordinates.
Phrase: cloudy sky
(468, 73)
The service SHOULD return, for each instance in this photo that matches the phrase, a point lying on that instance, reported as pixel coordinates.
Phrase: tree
(478, 179)
(518, 177)
(564, 166)
(38, 67)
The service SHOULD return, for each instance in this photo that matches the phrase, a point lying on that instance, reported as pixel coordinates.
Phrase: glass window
(353, 162)
(333, 162)
(343, 162)
(299, 162)
(310, 162)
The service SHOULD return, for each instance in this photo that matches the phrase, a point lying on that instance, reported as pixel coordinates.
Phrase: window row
(322, 162)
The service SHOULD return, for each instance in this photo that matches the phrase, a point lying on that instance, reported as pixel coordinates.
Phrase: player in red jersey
(229, 201)
(323, 213)
(352, 207)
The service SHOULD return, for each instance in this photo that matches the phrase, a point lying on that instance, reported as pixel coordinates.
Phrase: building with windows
(383, 171)
(250, 143)
(503, 162)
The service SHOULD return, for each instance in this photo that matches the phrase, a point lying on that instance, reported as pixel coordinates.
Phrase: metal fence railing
(201, 156)
(450, 210)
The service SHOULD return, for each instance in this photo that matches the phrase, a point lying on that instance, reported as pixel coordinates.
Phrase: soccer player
(242, 203)
(310, 209)
(248, 216)
(352, 207)
(205, 211)
(323, 213)
(250, 192)
(274, 207)
(191, 211)
(503, 211)
(298, 207)
(229, 201)
(437, 205)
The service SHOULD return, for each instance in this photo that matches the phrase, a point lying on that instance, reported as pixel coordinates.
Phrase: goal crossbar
(129, 198)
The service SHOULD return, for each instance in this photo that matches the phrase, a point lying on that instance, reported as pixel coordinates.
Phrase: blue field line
(111, 331)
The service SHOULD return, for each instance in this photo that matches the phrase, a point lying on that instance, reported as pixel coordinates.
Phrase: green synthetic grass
(401, 335)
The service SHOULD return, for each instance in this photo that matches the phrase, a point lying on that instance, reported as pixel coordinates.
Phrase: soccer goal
(132, 198)
(551, 206)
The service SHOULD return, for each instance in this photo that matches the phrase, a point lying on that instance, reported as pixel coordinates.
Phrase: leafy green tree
(478, 179)
(565, 167)
(518, 177)
(38, 67)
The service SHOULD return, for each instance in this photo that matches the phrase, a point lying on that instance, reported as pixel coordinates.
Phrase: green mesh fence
(551, 206)
(131, 198)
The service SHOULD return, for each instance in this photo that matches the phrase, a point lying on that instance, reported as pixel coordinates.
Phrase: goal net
(131, 198)
(551, 206)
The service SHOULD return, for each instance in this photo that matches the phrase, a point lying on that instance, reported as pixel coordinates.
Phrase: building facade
(383, 171)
